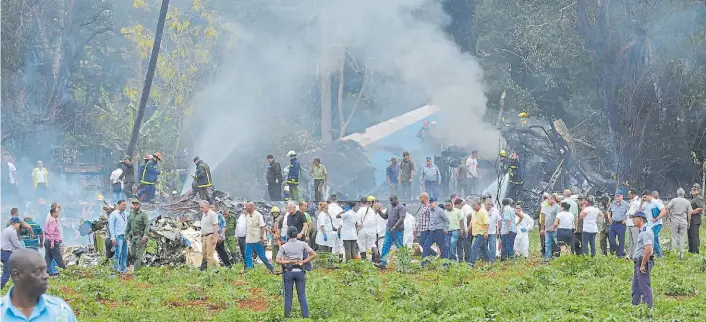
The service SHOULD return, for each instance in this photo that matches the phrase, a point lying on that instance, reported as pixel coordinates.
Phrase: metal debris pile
(84, 255)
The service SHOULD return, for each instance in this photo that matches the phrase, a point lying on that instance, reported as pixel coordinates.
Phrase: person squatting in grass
(291, 257)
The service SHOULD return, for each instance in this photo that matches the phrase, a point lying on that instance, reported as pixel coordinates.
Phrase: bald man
(26, 299)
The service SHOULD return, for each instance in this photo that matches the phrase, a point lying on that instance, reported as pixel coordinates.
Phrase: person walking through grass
(480, 231)
(291, 257)
(641, 281)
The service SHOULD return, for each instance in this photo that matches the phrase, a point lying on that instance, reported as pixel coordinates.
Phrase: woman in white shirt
(324, 226)
(589, 214)
(349, 231)
(564, 225)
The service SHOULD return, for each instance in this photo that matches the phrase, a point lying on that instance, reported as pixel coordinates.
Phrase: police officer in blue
(26, 300)
(641, 281)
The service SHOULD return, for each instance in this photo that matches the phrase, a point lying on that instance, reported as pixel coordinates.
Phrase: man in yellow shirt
(479, 231)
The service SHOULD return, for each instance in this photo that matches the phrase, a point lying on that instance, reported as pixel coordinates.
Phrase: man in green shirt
(318, 172)
(231, 241)
(455, 224)
(138, 225)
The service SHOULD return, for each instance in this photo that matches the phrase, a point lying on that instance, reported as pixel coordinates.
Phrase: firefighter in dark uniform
(203, 180)
(293, 176)
(516, 179)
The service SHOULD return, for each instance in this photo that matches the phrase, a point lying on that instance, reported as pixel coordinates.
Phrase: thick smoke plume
(277, 51)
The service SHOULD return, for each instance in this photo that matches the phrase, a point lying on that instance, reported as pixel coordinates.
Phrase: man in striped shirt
(53, 239)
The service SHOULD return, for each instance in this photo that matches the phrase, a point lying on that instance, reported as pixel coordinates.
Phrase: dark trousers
(435, 237)
(693, 235)
(290, 280)
(507, 248)
(222, 254)
(349, 247)
(318, 189)
(642, 284)
(463, 248)
(275, 191)
(128, 189)
(513, 190)
(5, 267)
(406, 190)
(617, 230)
(204, 194)
(565, 236)
(588, 239)
(241, 246)
(578, 243)
(423, 236)
(53, 254)
(541, 241)
(147, 192)
(603, 241)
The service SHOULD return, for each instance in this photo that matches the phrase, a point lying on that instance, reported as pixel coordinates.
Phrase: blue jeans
(391, 236)
(492, 247)
(257, 247)
(423, 236)
(290, 280)
(617, 229)
(147, 192)
(451, 241)
(431, 188)
(658, 249)
(435, 237)
(507, 247)
(480, 248)
(53, 268)
(117, 194)
(549, 241)
(5, 267)
(120, 259)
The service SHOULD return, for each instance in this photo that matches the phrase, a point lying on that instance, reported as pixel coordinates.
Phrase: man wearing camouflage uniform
(138, 226)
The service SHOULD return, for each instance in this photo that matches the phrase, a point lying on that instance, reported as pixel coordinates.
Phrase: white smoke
(276, 52)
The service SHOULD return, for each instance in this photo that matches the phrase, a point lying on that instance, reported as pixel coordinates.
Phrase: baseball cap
(433, 199)
(428, 158)
(640, 214)
(15, 220)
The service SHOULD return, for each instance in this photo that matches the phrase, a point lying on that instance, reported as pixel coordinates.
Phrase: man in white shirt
(116, 184)
(334, 210)
(472, 174)
(465, 241)
(367, 234)
(633, 232)
(9, 179)
(653, 208)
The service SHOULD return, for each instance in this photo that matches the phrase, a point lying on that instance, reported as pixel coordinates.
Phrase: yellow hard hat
(524, 114)
(371, 199)
(503, 153)
(99, 196)
(275, 209)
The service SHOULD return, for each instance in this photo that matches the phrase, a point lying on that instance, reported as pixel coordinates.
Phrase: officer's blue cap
(640, 214)
(15, 220)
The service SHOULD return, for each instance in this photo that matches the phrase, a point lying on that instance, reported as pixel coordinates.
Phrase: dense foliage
(627, 76)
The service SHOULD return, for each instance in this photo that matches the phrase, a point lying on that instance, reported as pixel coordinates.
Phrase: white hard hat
(291, 153)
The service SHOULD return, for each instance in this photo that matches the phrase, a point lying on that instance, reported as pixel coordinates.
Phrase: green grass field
(570, 288)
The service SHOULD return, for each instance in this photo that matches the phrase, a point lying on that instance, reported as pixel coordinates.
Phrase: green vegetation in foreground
(568, 289)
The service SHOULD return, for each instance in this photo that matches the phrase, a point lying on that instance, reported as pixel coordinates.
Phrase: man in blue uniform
(26, 300)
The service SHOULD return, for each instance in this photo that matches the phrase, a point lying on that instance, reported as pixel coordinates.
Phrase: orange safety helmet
(158, 155)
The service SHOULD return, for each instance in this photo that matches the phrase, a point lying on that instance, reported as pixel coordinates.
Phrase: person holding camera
(290, 256)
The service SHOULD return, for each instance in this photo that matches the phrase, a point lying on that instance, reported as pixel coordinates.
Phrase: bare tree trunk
(498, 123)
(325, 81)
(341, 80)
(355, 107)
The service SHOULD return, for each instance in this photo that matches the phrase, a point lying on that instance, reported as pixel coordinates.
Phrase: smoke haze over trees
(237, 80)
